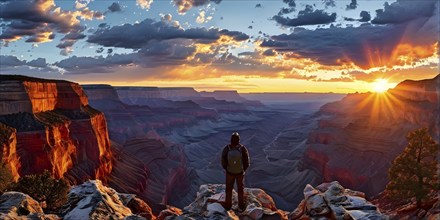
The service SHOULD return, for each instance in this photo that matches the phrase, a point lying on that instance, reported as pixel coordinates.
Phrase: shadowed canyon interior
(162, 144)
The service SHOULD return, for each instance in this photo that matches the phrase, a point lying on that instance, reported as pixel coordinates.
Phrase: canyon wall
(358, 137)
(132, 95)
(48, 125)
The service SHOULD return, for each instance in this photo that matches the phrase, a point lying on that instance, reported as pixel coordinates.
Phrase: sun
(381, 85)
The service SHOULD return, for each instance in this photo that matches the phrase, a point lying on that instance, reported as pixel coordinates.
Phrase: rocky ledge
(326, 201)
(90, 200)
(93, 200)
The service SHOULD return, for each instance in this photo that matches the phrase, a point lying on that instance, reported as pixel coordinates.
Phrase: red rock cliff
(52, 128)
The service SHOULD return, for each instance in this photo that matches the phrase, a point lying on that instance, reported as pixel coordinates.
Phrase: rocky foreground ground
(93, 200)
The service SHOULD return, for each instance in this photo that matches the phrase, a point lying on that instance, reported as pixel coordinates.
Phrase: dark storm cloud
(115, 7)
(308, 16)
(403, 11)
(184, 5)
(135, 36)
(352, 5)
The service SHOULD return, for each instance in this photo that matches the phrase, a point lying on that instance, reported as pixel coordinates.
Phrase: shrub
(6, 177)
(44, 188)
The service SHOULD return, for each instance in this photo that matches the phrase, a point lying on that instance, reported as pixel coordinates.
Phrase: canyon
(163, 144)
(359, 136)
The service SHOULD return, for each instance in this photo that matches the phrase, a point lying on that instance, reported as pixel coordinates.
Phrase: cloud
(135, 36)
(144, 4)
(403, 11)
(82, 3)
(258, 5)
(365, 46)
(290, 3)
(167, 17)
(100, 50)
(394, 75)
(364, 17)
(8, 61)
(39, 20)
(201, 18)
(115, 7)
(269, 52)
(353, 5)
(39, 62)
(308, 16)
(184, 5)
(329, 3)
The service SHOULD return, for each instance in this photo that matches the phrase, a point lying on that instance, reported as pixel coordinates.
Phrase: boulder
(332, 200)
(209, 200)
(17, 205)
(93, 200)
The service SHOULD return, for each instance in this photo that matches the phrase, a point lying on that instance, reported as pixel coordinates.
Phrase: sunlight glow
(381, 85)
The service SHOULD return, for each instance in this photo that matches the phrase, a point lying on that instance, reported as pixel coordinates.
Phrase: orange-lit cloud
(38, 20)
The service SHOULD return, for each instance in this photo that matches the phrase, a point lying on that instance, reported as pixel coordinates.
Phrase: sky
(249, 46)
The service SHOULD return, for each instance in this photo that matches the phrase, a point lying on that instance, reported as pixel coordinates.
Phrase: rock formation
(359, 136)
(332, 201)
(208, 205)
(231, 96)
(90, 200)
(93, 200)
(135, 95)
(407, 208)
(152, 169)
(48, 124)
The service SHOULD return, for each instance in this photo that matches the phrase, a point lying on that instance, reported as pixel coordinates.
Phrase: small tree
(44, 188)
(414, 172)
(6, 177)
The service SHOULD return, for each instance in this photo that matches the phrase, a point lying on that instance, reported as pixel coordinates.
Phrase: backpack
(235, 160)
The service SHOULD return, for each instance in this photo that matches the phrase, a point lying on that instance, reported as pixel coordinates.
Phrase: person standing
(235, 161)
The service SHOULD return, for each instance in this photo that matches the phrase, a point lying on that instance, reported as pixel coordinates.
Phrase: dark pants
(230, 179)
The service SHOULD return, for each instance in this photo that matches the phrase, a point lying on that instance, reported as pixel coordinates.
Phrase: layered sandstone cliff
(53, 128)
(359, 136)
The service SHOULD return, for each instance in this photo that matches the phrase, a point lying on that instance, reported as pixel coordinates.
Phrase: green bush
(6, 177)
(44, 188)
